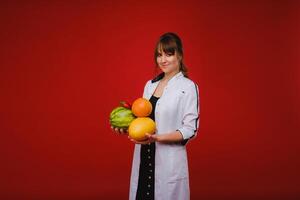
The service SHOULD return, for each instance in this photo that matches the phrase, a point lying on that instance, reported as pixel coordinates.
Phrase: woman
(160, 166)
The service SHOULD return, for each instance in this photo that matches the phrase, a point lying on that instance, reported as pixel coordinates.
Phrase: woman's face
(167, 62)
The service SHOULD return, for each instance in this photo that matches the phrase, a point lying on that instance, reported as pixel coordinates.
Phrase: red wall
(65, 65)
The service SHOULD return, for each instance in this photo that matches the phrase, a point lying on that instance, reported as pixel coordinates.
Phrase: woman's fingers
(147, 141)
(149, 136)
(140, 142)
(123, 131)
(112, 128)
(152, 137)
(119, 130)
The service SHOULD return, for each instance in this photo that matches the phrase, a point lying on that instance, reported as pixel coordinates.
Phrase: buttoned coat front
(177, 109)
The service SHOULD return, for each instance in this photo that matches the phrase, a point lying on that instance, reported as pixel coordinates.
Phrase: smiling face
(168, 62)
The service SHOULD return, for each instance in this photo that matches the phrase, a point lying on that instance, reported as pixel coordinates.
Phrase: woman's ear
(179, 57)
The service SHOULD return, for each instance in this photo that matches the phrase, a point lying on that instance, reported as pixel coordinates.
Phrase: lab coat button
(149, 177)
(147, 193)
(149, 185)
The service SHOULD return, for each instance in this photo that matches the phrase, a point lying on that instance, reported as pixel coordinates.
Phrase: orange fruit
(141, 107)
(140, 126)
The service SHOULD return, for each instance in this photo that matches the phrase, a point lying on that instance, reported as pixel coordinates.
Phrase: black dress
(146, 182)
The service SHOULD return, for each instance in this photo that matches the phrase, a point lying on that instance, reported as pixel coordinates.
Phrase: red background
(65, 65)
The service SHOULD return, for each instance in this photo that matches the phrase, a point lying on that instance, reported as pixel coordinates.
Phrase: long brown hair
(170, 43)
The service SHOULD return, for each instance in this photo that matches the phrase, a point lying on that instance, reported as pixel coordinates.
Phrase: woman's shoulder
(154, 79)
(187, 82)
(148, 82)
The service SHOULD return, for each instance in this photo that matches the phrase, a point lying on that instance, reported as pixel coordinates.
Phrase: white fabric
(177, 109)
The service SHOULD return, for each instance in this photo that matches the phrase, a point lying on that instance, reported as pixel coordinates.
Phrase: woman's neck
(168, 76)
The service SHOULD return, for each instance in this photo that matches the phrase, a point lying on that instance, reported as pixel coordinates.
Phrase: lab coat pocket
(179, 165)
(178, 189)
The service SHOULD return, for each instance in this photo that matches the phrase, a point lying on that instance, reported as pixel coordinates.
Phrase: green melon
(121, 117)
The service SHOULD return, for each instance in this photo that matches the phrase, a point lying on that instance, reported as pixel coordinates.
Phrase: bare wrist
(159, 138)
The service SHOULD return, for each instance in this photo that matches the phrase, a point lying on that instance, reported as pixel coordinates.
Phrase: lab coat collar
(157, 78)
(161, 75)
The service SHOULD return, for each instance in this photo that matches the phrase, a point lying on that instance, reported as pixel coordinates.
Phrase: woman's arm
(171, 137)
(175, 136)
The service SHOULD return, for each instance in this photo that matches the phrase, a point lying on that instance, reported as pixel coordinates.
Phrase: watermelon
(121, 117)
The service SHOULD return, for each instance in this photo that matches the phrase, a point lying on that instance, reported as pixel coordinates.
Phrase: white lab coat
(176, 109)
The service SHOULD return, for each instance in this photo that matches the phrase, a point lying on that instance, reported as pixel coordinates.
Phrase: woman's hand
(119, 131)
(150, 138)
(171, 137)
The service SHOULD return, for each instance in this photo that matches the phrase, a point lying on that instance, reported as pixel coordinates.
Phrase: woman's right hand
(119, 131)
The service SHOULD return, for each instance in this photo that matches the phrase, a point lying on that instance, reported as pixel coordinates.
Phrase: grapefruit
(140, 126)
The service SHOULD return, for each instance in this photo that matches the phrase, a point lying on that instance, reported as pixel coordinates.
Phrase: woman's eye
(168, 55)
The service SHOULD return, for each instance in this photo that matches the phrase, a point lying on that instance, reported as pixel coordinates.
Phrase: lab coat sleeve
(190, 121)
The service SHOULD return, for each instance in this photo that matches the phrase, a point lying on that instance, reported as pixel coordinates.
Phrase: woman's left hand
(150, 138)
